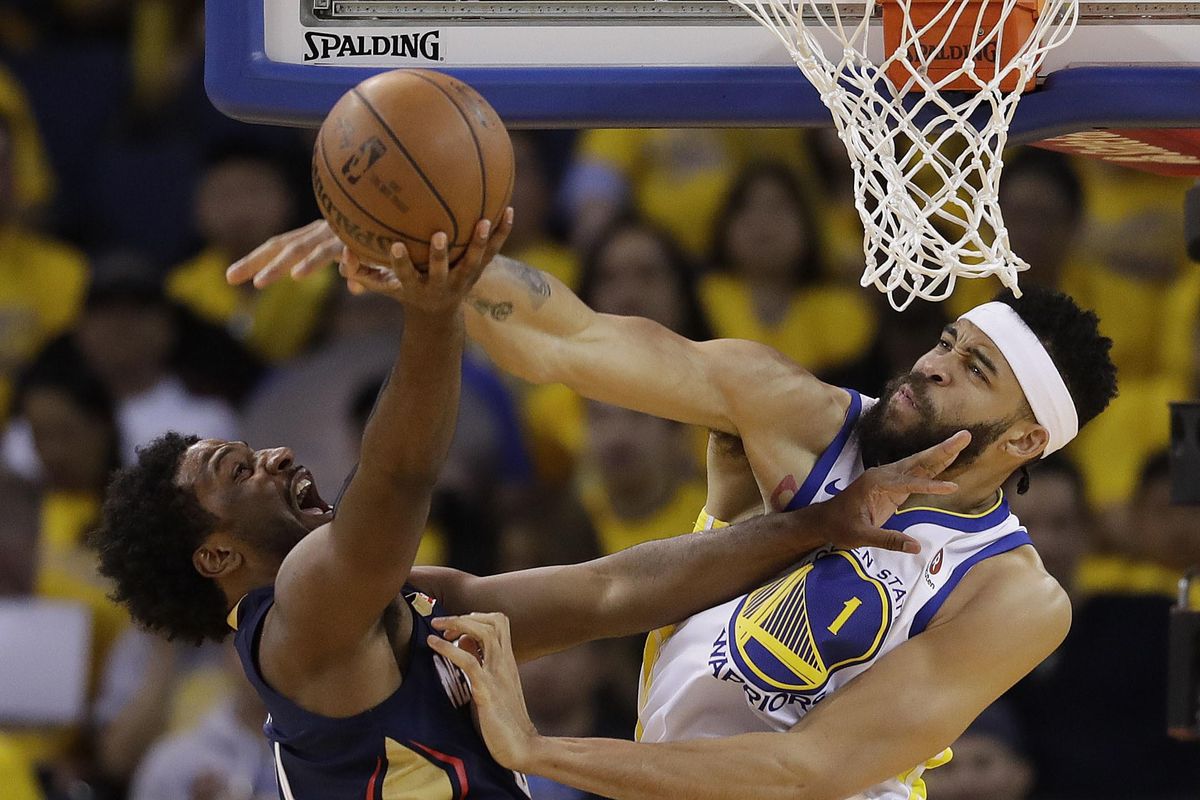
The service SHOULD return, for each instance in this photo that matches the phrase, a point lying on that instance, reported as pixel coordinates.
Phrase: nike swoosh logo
(832, 487)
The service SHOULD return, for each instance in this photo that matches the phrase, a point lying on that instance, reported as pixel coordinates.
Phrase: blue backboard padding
(243, 83)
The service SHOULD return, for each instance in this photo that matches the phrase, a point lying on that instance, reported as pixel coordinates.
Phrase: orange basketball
(406, 154)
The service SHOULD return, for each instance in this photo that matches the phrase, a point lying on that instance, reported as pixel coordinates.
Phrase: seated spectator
(1055, 513)
(634, 268)
(41, 281)
(1093, 737)
(587, 690)
(645, 483)
(150, 688)
(224, 757)
(246, 195)
(768, 284)
(70, 419)
(128, 334)
(1136, 276)
(1042, 199)
(989, 762)
(673, 176)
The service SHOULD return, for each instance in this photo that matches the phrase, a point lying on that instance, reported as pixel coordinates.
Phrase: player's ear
(216, 556)
(1026, 440)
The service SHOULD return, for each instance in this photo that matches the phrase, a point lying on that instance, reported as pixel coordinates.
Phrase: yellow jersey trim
(980, 515)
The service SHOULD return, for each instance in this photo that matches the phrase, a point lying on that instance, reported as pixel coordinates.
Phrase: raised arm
(535, 327)
(333, 587)
(661, 582)
(1007, 616)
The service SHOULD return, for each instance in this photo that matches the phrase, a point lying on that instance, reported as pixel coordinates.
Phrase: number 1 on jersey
(848, 610)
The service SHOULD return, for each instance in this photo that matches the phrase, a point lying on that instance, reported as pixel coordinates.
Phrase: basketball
(406, 154)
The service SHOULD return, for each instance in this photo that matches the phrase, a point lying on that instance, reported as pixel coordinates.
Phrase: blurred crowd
(123, 197)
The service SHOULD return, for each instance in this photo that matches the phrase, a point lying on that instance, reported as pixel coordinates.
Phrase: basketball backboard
(1126, 85)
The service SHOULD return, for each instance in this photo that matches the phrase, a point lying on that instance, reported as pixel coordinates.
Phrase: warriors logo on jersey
(794, 633)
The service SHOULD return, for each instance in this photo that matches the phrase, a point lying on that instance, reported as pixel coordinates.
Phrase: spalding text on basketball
(423, 46)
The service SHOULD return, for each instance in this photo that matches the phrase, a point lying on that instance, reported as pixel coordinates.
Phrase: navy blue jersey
(418, 744)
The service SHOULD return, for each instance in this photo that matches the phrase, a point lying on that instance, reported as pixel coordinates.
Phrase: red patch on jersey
(935, 566)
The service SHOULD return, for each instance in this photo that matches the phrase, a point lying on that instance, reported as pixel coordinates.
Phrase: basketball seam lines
(350, 197)
(470, 129)
(413, 161)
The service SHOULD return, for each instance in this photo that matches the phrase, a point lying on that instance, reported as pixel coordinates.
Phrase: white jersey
(762, 660)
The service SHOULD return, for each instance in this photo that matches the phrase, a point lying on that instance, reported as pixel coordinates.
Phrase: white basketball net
(926, 165)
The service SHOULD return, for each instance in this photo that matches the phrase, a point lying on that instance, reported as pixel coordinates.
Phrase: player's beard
(882, 442)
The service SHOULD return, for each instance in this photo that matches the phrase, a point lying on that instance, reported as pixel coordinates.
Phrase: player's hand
(439, 288)
(495, 684)
(298, 252)
(853, 517)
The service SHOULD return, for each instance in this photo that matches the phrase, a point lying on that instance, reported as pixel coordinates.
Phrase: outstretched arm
(535, 327)
(333, 586)
(661, 582)
(904, 709)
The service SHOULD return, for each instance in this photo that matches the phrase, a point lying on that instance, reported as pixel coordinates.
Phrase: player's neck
(978, 491)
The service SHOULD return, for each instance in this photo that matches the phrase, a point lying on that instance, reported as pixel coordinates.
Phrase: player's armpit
(1005, 618)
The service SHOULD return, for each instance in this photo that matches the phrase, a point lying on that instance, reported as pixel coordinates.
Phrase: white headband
(1039, 378)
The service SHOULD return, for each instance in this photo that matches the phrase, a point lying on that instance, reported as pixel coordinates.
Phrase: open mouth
(304, 494)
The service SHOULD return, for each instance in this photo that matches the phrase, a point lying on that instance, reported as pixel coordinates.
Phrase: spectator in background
(129, 333)
(646, 481)
(149, 688)
(674, 177)
(41, 281)
(1054, 511)
(71, 420)
(225, 757)
(486, 463)
(584, 691)
(989, 762)
(1135, 273)
(1095, 710)
(245, 196)
(532, 240)
(634, 268)
(1042, 200)
(768, 284)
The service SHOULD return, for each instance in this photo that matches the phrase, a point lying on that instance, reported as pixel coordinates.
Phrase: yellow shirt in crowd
(825, 326)
(276, 323)
(42, 284)
(673, 518)
(679, 177)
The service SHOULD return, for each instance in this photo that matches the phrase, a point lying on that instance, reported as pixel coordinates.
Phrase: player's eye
(942, 343)
(241, 471)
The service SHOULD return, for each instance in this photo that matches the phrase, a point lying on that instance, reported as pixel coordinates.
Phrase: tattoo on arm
(535, 282)
(497, 311)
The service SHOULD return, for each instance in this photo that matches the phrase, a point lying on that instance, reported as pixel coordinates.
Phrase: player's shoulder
(1013, 586)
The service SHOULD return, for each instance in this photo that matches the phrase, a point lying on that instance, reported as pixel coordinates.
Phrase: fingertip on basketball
(407, 154)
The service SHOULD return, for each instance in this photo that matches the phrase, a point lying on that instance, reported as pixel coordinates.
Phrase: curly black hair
(148, 531)
(1071, 335)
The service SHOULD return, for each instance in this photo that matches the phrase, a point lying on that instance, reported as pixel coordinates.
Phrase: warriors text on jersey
(760, 661)
(418, 744)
